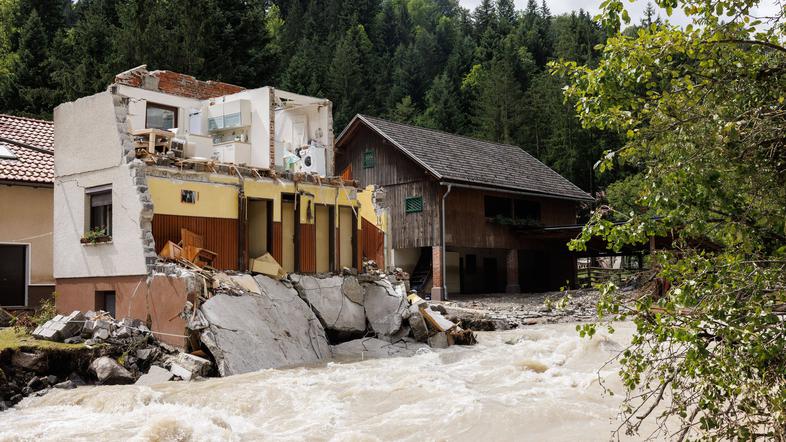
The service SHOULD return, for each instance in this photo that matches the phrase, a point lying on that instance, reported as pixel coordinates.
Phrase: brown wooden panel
(277, 248)
(219, 235)
(308, 248)
(373, 243)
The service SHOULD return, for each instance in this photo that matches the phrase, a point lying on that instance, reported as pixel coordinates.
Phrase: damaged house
(164, 164)
(26, 178)
(466, 216)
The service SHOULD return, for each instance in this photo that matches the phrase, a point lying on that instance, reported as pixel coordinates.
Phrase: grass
(11, 339)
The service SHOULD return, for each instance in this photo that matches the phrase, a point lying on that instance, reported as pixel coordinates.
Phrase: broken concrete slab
(341, 317)
(436, 320)
(439, 340)
(156, 375)
(385, 306)
(250, 332)
(373, 348)
(353, 290)
(109, 372)
(188, 366)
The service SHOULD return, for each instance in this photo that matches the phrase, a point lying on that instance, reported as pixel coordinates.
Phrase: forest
(432, 63)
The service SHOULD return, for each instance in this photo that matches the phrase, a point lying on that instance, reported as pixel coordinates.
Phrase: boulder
(31, 361)
(342, 318)
(156, 375)
(253, 332)
(110, 372)
(385, 305)
(417, 324)
(353, 290)
(439, 340)
(373, 348)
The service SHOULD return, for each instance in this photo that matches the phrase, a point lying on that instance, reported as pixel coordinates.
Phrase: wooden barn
(466, 216)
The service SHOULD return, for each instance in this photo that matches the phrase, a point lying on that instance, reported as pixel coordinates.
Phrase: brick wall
(177, 84)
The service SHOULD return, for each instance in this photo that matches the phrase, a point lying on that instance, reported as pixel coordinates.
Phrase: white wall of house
(88, 153)
(259, 133)
(137, 106)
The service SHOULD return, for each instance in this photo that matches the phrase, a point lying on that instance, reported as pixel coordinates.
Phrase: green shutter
(413, 204)
(368, 159)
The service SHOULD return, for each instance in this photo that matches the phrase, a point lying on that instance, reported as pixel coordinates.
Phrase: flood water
(538, 383)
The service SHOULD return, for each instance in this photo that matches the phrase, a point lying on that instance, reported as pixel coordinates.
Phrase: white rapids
(538, 383)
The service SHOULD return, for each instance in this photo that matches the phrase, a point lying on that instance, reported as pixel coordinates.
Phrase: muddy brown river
(538, 383)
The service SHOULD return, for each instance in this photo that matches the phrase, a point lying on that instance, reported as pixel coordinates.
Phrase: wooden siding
(276, 250)
(220, 235)
(307, 252)
(466, 224)
(373, 243)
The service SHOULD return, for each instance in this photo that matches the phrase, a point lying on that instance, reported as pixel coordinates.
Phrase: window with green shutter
(413, 204)
(368, 159)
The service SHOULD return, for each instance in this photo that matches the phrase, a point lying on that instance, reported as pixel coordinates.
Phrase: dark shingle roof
(457, 158)
(27, 157)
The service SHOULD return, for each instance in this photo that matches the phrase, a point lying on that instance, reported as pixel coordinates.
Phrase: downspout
(442, 255)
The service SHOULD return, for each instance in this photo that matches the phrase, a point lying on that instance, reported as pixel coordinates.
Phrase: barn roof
(456, 158)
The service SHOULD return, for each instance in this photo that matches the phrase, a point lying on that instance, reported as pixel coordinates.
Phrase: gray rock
(352, 290)
(156, 375)
(417, 324)
(252, 332)
(66, 385)
(341, 317)
(384, 307)
(101, 334)
(51, 379)
(35, 361)
(144, 354)
(35, 383)
(439, 340)
(110, 372)
(73, 340)
(373, 348)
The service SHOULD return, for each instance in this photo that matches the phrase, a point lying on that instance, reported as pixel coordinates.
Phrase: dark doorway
(105, 300)
(533, 271)
(490, 274)
(13, 274)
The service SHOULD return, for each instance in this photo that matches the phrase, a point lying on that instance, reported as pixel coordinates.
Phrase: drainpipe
(442, 255)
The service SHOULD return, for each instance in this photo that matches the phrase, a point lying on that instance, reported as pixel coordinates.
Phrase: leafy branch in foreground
(703, 112)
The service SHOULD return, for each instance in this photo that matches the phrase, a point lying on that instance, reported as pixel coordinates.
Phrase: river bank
(535, 383)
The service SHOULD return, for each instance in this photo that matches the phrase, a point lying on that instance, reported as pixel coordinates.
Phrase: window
(188, 196)
(368, 159)
(105, 300)
(495, 206)
(6, 154)
(413, 204)
(159, 116)
(99, 200)
(523, 209)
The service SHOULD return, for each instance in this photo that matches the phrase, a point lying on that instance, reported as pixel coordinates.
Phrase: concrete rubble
(340, 315)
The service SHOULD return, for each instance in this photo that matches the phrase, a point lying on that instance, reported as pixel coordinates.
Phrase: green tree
(702, 109)
(348, 75)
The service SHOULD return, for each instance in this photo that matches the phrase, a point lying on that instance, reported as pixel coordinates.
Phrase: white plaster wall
(88, 152)
(137, 106)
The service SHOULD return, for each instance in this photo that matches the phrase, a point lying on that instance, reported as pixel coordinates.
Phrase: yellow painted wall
(323, 238)
(213, 200)
(26, 215)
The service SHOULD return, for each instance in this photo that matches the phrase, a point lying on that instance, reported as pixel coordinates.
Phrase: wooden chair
(193, 248)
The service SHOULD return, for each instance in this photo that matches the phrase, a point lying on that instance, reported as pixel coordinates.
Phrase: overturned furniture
(190, 248)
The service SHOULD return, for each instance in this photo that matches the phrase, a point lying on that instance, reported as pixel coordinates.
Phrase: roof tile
(30, 165)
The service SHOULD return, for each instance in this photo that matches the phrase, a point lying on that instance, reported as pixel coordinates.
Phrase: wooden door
(13, 274)
(288, 236)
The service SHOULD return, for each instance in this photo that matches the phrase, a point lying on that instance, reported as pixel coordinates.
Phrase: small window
(369, 159)
(105, 300)
(6, 154)
(495, 206)
(159, 116)
(413, 204)
(523, 209)
(99, 201)
(188, 196)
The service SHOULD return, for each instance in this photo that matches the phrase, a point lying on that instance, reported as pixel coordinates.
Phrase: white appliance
(313, 160)
(236, 153)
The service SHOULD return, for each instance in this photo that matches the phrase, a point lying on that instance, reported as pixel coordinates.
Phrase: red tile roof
(34, 164)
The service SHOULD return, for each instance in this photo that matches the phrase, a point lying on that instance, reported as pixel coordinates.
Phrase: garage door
(13, 274)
